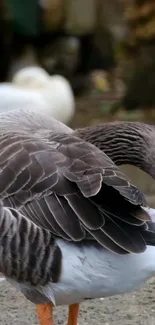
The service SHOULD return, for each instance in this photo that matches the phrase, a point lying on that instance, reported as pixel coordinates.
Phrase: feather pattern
(56, 185)
(28, 253)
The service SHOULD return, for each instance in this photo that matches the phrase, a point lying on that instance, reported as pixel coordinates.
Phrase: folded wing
(71, 188)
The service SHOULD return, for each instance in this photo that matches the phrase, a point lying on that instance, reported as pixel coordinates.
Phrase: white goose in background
(72, 226)
(34, 88)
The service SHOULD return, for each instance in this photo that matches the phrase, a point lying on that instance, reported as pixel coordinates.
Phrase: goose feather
(72, 181)
(53, 185)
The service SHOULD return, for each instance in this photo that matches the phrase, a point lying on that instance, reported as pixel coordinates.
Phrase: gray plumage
(124, 142)
(55, 185)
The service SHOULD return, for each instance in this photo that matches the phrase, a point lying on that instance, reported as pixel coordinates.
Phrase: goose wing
(71, 188)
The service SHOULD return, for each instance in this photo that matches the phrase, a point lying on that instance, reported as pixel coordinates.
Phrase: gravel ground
(130, 309)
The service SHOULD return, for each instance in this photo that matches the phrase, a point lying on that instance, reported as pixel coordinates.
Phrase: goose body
(72, 226)
(90, 272)
(34, 89)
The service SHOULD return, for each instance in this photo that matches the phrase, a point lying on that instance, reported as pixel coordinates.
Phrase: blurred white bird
(34, 88)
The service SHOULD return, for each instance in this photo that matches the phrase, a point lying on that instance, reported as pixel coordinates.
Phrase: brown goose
(72, 226)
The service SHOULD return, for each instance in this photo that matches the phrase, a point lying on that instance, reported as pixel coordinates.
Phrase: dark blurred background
(104, 48)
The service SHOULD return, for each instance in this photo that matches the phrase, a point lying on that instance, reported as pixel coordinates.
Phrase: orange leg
(45, 314)
(73, 314)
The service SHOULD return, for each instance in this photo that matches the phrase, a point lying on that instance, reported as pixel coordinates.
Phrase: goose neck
(124, 142)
